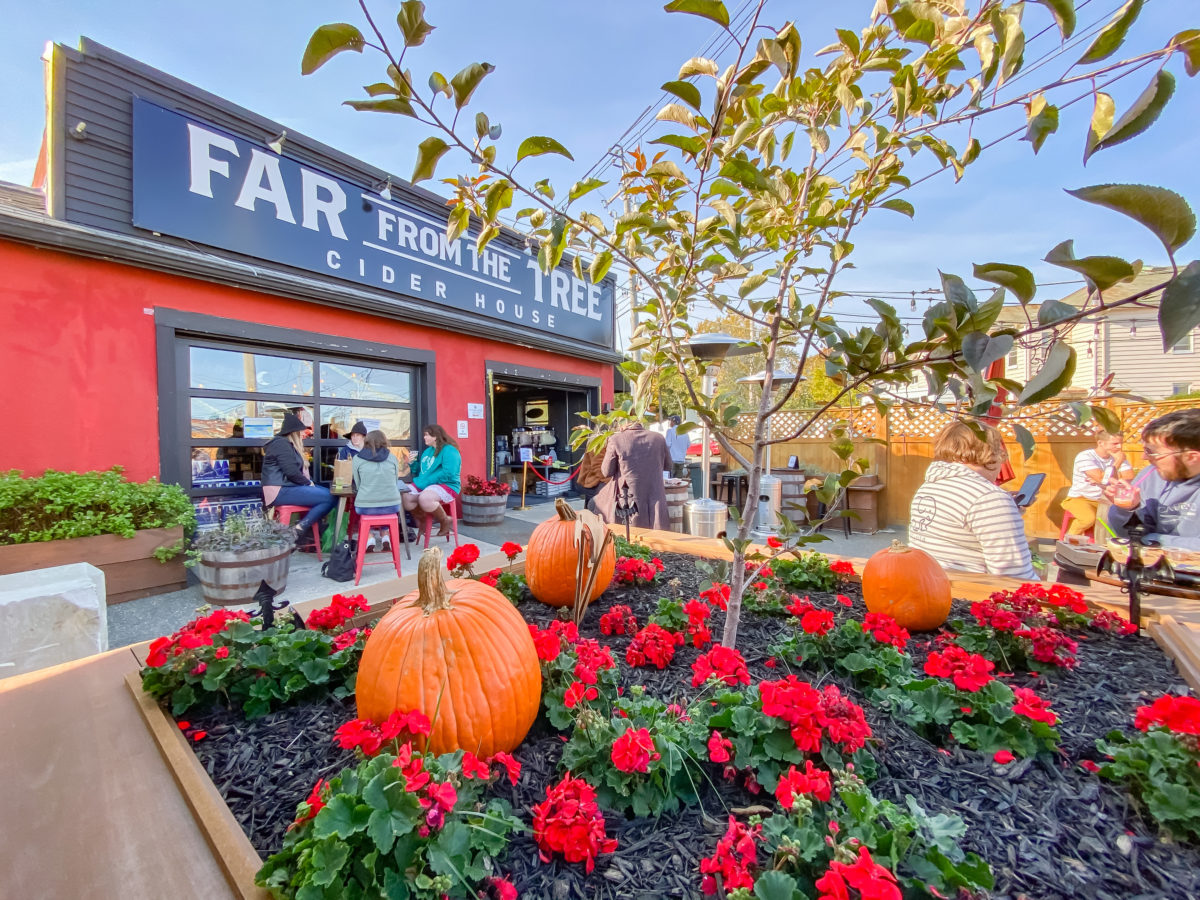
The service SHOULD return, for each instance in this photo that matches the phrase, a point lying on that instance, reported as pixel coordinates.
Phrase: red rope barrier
(571, 475)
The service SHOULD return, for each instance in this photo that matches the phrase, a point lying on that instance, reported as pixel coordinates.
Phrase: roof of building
(1149, 277)
(18, 196)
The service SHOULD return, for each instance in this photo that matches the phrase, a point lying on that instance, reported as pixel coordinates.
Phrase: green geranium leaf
(1164, 212)
(713, 10)
(537, 145)
(328, 858)
(429, 151)
(343, 816)
(1113, 35)
(327, 42)
(1055, 374)
(775, 885)
(1179, 311)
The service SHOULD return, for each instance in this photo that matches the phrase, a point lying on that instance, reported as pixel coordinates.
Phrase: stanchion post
(524, 481)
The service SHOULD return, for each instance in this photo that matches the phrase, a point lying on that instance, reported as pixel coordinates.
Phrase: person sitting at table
(1093, 469)
(1166, 495)
(960, 517)
(437, 480)
(376, 483)
(635, 459)
(354, 441)
(285, 478)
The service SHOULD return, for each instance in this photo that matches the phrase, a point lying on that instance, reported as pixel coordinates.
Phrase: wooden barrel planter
(678, 492)
(793, 504)
(229, 578)
(488, 510)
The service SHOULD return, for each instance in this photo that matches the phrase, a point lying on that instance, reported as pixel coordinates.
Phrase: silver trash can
(704, 518)
(770, 502)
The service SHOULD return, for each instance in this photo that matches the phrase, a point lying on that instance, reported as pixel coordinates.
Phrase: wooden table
(343, 493)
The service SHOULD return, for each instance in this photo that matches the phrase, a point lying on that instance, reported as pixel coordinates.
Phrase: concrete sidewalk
(145, 619)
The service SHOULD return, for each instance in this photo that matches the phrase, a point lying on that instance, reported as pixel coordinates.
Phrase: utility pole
(633, 288)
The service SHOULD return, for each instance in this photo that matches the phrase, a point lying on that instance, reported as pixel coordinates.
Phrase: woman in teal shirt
(437, 479)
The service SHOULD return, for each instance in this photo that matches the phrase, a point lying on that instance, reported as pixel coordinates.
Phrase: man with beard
(1166, 495)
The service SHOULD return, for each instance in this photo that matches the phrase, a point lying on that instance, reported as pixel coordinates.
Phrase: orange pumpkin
(909, 585)
(552, 557)
(460, 653)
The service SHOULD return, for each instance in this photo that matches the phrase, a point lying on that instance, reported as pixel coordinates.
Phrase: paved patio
(145, 619)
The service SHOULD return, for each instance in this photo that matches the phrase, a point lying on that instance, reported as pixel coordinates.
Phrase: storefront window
(236, 400)
(354, 382)
(336, 421)
(231, 370)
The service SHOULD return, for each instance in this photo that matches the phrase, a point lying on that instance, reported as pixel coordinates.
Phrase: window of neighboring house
(1185, 345)
(1181, 387)
(1012, 358)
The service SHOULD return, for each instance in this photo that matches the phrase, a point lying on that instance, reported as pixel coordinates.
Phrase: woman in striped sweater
(960, 517)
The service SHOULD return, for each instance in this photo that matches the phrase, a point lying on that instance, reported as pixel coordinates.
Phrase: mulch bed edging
(1050, 830)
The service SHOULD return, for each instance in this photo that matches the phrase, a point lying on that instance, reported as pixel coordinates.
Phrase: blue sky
(583, 72)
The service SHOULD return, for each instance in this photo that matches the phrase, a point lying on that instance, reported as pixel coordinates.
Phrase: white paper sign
(526, 454)
(462, 428)
(258, 427)
(371, 424)
(474, 410)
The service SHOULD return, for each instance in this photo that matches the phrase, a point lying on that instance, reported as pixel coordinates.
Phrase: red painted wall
(79, 375)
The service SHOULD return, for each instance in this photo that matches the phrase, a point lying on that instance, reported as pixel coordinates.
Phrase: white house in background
(1125, 341)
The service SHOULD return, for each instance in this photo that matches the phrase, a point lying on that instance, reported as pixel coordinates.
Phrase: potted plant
(234, 559)
(484, 500)
(135, 532)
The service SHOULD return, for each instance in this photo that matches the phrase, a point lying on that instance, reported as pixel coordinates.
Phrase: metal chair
(390, 521)
(451, 510)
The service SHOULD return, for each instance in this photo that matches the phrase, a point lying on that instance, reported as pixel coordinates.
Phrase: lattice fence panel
(1044, 421)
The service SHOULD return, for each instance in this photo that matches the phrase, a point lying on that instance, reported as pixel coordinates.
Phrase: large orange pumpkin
(460, 653)
(909, 585)
(552, 556)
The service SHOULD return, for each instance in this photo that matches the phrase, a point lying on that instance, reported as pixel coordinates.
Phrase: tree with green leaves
(763, 171)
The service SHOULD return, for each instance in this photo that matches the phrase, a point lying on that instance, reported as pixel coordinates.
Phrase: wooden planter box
(483, 510)
(130, 569)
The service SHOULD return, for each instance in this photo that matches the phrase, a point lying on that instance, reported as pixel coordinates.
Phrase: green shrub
(61, 505)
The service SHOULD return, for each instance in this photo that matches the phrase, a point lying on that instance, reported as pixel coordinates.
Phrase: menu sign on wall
(195, 181)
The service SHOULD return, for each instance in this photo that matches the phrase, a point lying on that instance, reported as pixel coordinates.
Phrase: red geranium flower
(511, 550)
(720, 662)
(1030, 705)
(774, 543)
(474, 767)
(578, 692)
(634, 751)
(511, 767)
(719, 747)
(871, 880)
(811, 781)
(569, 822)
(969, 671)
(1178, 714)
(1003, 757)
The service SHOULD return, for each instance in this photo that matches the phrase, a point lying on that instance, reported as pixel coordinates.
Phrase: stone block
(51, 616)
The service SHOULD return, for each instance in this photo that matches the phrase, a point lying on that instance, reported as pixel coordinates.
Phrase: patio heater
(770, 487)
(704, 516)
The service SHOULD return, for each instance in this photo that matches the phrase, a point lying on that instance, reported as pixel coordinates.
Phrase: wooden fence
(907, 449)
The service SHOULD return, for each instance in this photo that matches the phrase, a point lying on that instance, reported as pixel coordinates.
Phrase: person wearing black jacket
(285, 476)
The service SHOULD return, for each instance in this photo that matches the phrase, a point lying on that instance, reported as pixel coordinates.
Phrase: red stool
(284, 514)
(450, 510)
(1068, 516)
(391, 521)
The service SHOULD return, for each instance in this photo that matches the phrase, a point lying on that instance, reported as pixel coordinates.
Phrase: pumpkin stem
(431, 586)
(899, 547)
(564, 510)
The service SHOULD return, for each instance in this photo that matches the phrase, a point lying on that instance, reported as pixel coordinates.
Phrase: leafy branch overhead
(748, 197)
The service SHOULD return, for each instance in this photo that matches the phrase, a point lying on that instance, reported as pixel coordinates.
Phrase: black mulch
(1050, 830)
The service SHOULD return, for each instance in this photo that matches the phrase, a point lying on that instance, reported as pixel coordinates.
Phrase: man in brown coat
(636, 457)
